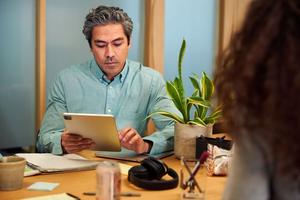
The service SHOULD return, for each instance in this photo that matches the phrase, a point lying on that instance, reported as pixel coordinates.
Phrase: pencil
(124, 194)
(72, 195)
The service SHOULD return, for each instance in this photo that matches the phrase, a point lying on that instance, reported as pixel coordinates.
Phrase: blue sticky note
(45, 186)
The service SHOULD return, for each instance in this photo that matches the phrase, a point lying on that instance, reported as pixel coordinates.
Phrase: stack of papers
(47, 162)
(30, 171)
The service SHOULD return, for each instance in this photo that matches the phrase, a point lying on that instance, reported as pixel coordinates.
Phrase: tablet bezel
(99, 127)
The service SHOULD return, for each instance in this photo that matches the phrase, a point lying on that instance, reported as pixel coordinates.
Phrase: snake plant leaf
(187, 111)
(198, 122)
(169, 115)
(189, 104)
(179, 85)
(209, 120)
(202, 111)
(174, 94)
(178, 80)
(184, 110)
(195, 83)
(195, 93)
(195, 123)
(180, 58)
(179, 102)
(196, 114)
(216, 114)
(199, 101)
(207, 87)
(213, 116)
(198, 83)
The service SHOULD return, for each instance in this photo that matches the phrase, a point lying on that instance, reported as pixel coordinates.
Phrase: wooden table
(85, 181)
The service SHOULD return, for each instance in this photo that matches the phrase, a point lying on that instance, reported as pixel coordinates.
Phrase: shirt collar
(101, 76)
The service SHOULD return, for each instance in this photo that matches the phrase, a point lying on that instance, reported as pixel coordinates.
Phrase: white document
(47, 162)
(62, 196)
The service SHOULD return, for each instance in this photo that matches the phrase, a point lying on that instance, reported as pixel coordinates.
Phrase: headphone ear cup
(156, 168)
(140, 172)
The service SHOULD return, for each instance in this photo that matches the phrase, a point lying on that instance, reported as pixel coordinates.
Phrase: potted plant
(188, 128)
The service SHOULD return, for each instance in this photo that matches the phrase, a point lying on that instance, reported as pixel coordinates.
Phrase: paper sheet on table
(29, 171)
(47, 162)
(43, 186)
(62, 196)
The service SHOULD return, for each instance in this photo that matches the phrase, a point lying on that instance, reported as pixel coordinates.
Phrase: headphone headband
(148, 175)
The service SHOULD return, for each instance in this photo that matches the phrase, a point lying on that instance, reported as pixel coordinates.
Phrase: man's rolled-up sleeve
(49, 137)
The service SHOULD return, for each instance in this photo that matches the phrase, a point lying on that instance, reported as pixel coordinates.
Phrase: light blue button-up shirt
(133, 94)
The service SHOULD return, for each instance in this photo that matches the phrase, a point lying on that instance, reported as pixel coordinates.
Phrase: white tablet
(99, 127)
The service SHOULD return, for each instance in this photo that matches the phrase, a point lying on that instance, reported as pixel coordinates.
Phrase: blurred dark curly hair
(258, 78)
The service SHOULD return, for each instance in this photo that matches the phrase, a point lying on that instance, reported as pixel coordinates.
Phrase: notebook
(47, 162)
(128, 155)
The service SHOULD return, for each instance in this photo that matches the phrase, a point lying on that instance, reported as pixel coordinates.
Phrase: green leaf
(207, 87)
(179, 85)
(213, 116)
(195, 93)
(195, 83)
(169, 115)
(180, 58)
(178, 80)
(197, 122)
(200, 121)
(216, 114)
(196, 114)
(203, 113)
(199, 101)
(179, 103)
(174, 94)
(187, 112)
(209, 121)
(183, 107)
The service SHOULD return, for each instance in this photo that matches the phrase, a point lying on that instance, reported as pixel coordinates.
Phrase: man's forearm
(49, 142)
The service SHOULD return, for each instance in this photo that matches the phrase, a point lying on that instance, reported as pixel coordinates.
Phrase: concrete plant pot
(185, 139)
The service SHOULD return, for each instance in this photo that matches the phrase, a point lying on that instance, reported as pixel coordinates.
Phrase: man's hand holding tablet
(74, 143)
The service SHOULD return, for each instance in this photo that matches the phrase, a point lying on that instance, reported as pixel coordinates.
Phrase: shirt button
(109, 110)
(110, 87)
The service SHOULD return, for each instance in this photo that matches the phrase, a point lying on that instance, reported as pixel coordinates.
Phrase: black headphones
(148, 175)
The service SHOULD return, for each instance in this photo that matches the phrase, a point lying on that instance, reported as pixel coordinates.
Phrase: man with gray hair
(108, 84)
